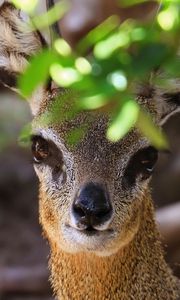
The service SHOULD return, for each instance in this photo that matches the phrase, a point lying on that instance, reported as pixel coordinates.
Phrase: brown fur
(127, 261)
(137, 271)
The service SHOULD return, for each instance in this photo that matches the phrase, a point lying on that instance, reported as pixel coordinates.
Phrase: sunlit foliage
(120, 55)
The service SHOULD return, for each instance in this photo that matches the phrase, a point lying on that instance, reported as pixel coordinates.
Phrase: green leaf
(62, 47)
(124, 121)
(98, 33)
(126, 3)
(118, 80)
(37, 72)
(93, 102)
(25, 135)
(26, 5)
(151, 131)
(150, 56)
(51, 16)
(123, 55)
(168, 18)
(64, 77)
(75, 135)
(62, 109)
(83, 65)
(104, 49)
(172, 67)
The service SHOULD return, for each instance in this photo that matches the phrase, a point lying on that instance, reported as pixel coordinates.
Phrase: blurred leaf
(62, 109)
(172, 67)
(62, 47)
(118, 80)
(75, 135)
(126, 3)
(124, 121)
(138, 34)
(93, 102)
(168, 18)
(25, 135)
(150, 57)
(64, 77)
(37, 72)
(104, 49)
(98, 33)
(83, 65)
(119, 57)
(51, 16)
(151, 131)
(26, 5)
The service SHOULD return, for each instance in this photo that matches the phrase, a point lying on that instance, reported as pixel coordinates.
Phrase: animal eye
(141, 164)
(40, 149)
(148, 158)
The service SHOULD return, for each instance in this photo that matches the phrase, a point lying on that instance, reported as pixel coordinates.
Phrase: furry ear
(171, 106)
(168, 103)
(17, 44)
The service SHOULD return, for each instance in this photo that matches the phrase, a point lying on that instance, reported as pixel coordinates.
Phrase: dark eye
(147, 160)
(40, 149)
(141, 164)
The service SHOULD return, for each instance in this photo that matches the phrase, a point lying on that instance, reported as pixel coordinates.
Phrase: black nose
(91, 206)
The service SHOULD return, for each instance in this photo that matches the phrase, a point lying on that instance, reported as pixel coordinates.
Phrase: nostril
(77, 210)
(103, 214)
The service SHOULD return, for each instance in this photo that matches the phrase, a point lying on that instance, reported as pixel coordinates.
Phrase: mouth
(89, 239)
(90, 231)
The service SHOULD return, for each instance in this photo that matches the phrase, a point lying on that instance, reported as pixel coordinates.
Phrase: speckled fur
(128, 263)
(137, 271)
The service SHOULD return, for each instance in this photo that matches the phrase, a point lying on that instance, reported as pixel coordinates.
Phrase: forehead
(62, 124)
(93, 144)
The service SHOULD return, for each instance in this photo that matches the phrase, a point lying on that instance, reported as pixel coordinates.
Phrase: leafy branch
(121, 54)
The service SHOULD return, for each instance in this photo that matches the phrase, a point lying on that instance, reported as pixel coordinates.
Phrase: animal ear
(17, 45)
(169, 104)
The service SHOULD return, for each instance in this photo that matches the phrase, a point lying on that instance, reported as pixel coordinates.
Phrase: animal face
(91, 194)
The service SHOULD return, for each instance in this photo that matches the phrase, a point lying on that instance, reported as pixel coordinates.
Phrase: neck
(131, 273)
